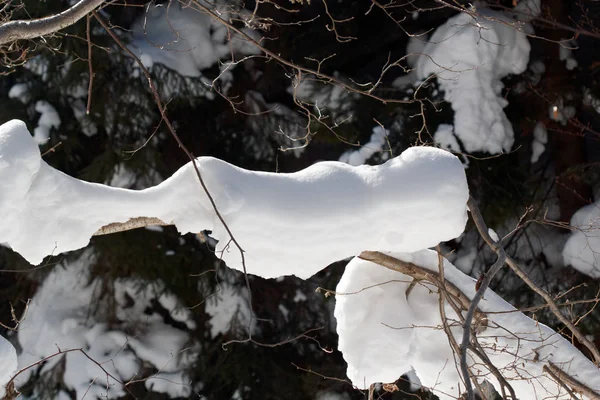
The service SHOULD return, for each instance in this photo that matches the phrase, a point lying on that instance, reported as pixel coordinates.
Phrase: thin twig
(89, 44)
(483, 231)
(485, 283)
(164, 117)
(569, 380)
(51, 149)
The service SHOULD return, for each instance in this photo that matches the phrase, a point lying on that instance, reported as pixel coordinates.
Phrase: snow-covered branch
(400, 332)
(412, 202)
(29, 29)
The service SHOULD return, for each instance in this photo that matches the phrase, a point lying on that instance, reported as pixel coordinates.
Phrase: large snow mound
(288, 224)
(469, 56)
(582, 250)
(384, 334)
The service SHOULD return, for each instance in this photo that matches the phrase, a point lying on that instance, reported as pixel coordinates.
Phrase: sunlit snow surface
(288, 224)
(582, 249)
(383, 334)
(469, 55)
(8, 363)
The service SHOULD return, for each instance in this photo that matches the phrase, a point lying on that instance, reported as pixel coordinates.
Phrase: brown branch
(51, 150)
(563, 378)
(283, 61)
(422, 274)
(441, 302)
(133, 223)
(89, 44)
(483, 231)
(29, 29)
(485, 283)
(163, 114)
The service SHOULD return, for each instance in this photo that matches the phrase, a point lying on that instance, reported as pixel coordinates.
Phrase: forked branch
(483, 231)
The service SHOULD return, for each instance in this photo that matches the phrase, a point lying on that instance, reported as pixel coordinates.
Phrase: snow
(415, 382)
(273, 121)
(19, 91)
(183, 39)
(411, 202)
(444, 136)
(399, 332)
(527, 10)
(416, 45)
(540, 139)
(493, 234)
(8, 363)
(171, 384)
(299, 296)
(466, 261)
(332, 101)
(536, 69)
(327, 395)
(376, 144)
(122, 177)
(582, 250)
(469, 56)
(67, 320)
(590, 100)
(565, 53)
(48, 119)
(229, 310)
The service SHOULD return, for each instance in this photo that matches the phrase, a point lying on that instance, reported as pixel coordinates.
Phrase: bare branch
(483, 231)
(564, 378)
(29, 29)
(466, 339)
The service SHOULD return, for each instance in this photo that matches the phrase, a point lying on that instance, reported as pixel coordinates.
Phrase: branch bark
(133, 223)
(564, 378)
(29, 29)
(424, 274)
(466, 339)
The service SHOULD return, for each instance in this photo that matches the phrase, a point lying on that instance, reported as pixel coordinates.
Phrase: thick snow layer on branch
(470, 55)
(8, 363)
(384, 333)
(582, 249)
(288, 224)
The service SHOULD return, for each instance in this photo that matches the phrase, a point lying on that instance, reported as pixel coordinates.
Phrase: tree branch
(29, 29)
(483, 231)
(133, 223)
(562, 377)
(424, 274)
(466, 339)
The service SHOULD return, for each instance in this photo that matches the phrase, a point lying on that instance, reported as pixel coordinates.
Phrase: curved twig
(29, 29)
